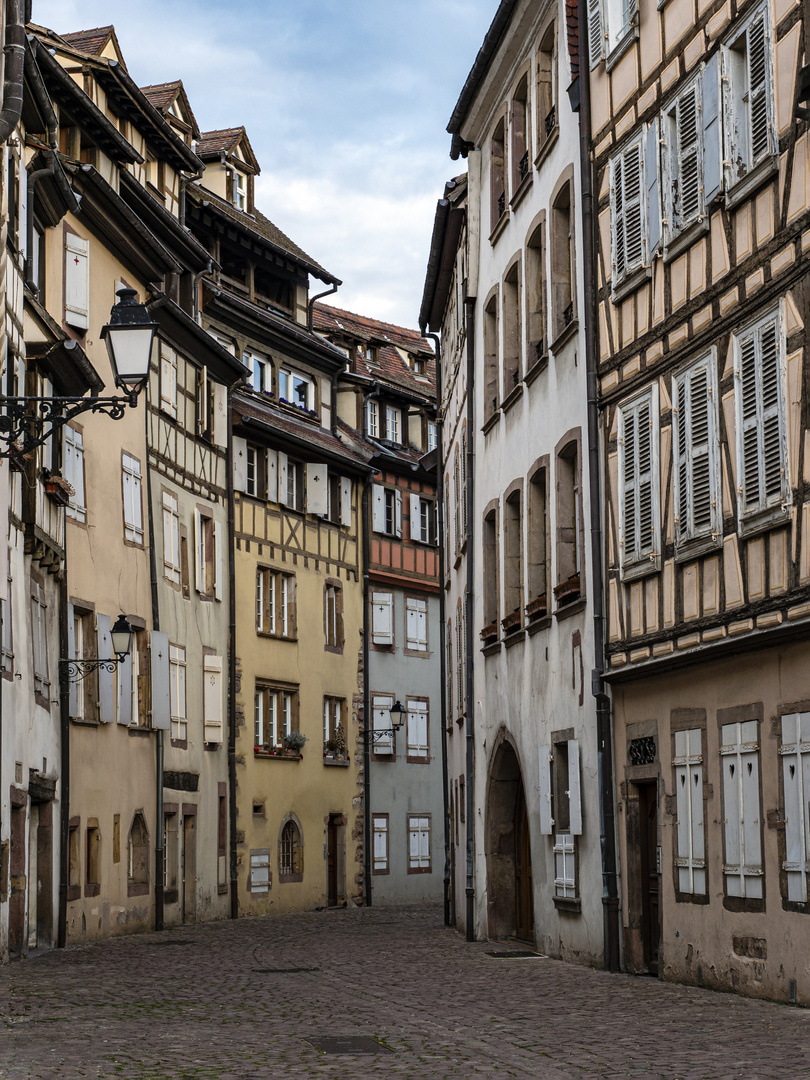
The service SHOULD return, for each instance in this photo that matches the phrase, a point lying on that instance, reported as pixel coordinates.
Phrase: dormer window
(373, 418)
(296, 389)
(371, 353)
(418, 365)
(239, 190)
(393, 423)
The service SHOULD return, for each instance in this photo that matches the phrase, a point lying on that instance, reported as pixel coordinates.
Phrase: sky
(345, 102)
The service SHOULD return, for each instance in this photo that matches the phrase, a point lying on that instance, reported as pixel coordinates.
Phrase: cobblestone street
(236, 1001)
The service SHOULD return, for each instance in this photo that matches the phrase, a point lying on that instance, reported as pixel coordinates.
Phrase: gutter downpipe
(469, 304)
(14, 65)
(153, 585)
(64, 759)
(448, 920)
(610, 898)
(319, 296)
(367, 718)
(232, 663)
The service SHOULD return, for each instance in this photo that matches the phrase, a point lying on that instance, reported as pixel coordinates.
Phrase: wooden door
(650, 879)
(17, 883)
(524, 899)
(332, 863)
(189, 868)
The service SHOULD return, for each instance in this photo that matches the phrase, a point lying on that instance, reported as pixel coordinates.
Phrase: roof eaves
(479, 69)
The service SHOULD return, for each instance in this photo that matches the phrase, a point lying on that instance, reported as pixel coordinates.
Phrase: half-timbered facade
(703, 214)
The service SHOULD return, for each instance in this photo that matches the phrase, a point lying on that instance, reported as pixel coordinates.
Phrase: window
(520, 124)
(168, 379)
(547, 119)
(171, 851)
(77, 280)
(739, 755)
(84, 692)
(296, 389)
(239, 190)
(418, 845)
(432, 435)
(275, 715)
(561, 810)
(259, 371)
(291, 485)
(92, 864)
(750, 129)
(334, 729)
(696, 439)
(537, 344)
(259, 871)
(204, 405)
(39, 611)
(417, 730)
(461, 643)
(7, 638)
(762, 451)
(563, 274)
(290, 852)
(610, 22)
(423, 520)
(171, 539)
(381, 857)
(333, 616)
(212, 699)
(638, 484)
(133, 516)
(275, 603)
(208, 548)
(463, 478)
(449, 668)
(795, 754)
(73, 472)
(513, 561)
(491, 573)
(386, 510)
(416, 613)
(628, 211)
(382, 618)
(538, 548)
(255, 466)
(497, 175)
(222, 837)
(393, 424)
(512, 329)
(381, 721)
(373, 418)
(491, 380)
(690, 860)
(74, 860)
(177, 692)
(457, 498)
(138, 853)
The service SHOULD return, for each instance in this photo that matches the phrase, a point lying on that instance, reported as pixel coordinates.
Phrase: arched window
(138, 852)
(290, 851)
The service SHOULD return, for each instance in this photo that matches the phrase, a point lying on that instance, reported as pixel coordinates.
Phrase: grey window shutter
(687, 195)
(574, 792)
(596, 35)
(317, 488)
(239, 463)
(272, 476)
(125, 692)
(398, 521)
(632, 197)
(282, 478)
(750, 423)
(618, 264)
(73, 697)
(758, 89)
(699, 433)
(772, 457)
(645, 479)
(653, 190)
(345, 500)
(546, 820)
(105, 678)
(712, 141)
(159, 664)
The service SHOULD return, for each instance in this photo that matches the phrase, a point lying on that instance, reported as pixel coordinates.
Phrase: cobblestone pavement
(241, 1001)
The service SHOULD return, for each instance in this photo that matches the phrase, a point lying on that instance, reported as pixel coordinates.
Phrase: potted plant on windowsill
(537, 608)
(58, 488)
(294, 744)
(511, 622)
(567, 591)
(490, 632)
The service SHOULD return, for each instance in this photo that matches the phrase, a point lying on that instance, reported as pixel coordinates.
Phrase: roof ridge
(369, 318)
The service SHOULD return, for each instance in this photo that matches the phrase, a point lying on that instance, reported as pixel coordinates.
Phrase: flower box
(537, 608)
(567, 591)
(489, 633)
(512, 621)
(59, 489)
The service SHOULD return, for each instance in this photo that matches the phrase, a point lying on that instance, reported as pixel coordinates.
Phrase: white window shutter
(282, 478)
(596, 35)
(137, 518)
(378, 507)
(795, 753)
(106, 685)
(202, 399)
(272, 476)
(125, 691)
(77, 282)
(416, 517)
(161, 694)
(653, 190)
(219, 576)
(345, 500)
(380, 843)
(398, 518)
(382, 618)
(633, 198)
(199, 563)
(212, 698)
(317, 485)
(412, 629)
(546, 820)
(712, 133)
(73, 697)
(574, 792)
(687, 182)
(239, 463)
(220, 432)
(381, 719)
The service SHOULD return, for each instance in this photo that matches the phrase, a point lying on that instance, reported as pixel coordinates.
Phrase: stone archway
(508, 851)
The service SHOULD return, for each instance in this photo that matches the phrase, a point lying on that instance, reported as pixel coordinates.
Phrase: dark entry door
(650, 880)
(524, 903)
(331, 863)
(189, 868)
(17, 883)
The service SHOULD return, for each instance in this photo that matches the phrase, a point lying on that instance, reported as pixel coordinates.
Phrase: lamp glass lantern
(397, 713)
(121, 636)
(129, 335)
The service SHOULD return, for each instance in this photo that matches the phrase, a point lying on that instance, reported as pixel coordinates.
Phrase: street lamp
(27, 422)
(397, 712)
(121, 636)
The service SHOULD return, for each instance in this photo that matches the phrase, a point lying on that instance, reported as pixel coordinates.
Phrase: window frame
(279, 582)
(178, 695)
(640, 562)
(383, 820)
(420, 867)
(417, 749)
(281, 719)
(132, 505)
(688, 539)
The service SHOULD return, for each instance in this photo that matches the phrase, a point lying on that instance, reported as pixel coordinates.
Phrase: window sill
(537, 368)
(763, 521)
(745, 186)
(420, 869)
(512, 398)
(137, 888)
(572, 904)
(275, 757)
(83, 722)
(285, 879)
(570, 609)
(490, 423)
(92, 890)
(641, 569)
(74, 892)
(702, 545)
(490, 650)
(538, 624)
(691, 898)
(209, 746)
(630, 283)
(337, 763)
(171, 896)
(620, 48)
(686, 238)
(499, 227)
(520, 191)
(513, 638)
(138, 732)
(754, 904)
(564, 336)
(545, 149)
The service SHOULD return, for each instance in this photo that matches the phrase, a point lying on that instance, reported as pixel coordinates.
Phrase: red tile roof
(91, 41)
(161, 95)
(388, 364)
(572, 27)
(214, 142)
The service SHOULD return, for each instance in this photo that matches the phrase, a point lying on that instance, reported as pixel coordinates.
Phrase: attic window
(371, 353)
(239, 190)
(418, 365)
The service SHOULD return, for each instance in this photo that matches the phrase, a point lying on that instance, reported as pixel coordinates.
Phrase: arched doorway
(508, 849)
